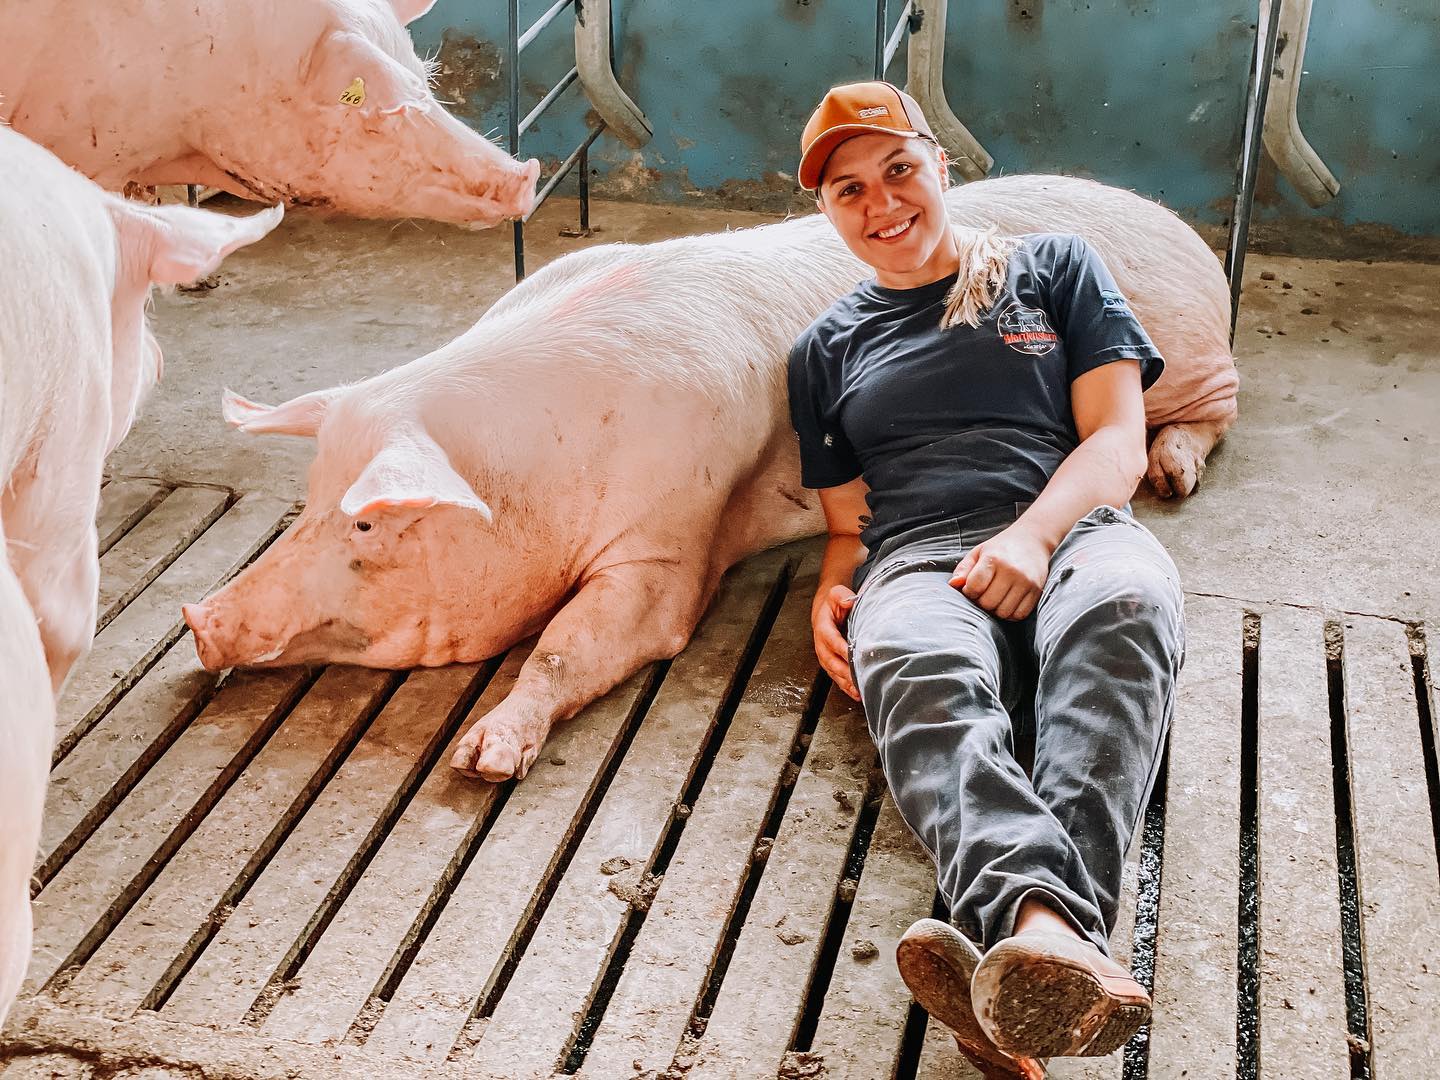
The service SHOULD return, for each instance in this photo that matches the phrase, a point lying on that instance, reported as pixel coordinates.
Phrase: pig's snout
(199, 618)
(522, 191)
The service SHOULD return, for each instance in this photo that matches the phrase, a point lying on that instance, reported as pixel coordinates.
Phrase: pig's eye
(363, 526)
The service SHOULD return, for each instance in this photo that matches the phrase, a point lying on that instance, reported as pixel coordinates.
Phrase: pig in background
(76, 357)
(611, 436)
(311, 102)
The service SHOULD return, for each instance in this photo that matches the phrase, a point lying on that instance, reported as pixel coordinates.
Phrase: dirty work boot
(937, 963)
(1049, 995)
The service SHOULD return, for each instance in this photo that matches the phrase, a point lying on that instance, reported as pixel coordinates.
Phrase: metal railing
(518, 42)
(886, 48)
(924, 22)
(1262, 66)
(594, 69)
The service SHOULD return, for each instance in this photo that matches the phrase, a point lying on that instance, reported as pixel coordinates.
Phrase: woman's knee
(913, 689)
(1108, 594)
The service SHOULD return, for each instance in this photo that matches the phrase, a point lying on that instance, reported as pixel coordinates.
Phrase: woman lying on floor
(972, 417)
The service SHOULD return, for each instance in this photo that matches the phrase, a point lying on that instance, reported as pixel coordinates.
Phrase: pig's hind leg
(620, 619)
(1177, 456)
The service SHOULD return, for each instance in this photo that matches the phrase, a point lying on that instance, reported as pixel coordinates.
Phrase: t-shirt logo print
(1026, 330)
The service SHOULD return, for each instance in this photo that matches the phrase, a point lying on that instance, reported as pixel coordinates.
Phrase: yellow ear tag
(354, 94)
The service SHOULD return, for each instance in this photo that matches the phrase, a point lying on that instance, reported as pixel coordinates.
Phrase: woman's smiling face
(885, 195)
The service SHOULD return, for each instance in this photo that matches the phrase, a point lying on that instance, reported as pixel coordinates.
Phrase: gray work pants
(1093, 666)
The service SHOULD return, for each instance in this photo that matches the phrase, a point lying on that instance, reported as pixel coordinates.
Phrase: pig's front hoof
(495, 753)
(197, 617)
(1176, 463)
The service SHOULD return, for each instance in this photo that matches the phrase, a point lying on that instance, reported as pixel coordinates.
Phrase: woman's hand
(826, 619)
(1006, 574)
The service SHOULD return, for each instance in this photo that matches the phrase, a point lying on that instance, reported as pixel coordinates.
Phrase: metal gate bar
(885, 49)
(1262, 67)
(518, 42)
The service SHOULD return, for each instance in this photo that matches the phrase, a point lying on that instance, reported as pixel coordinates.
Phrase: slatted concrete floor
(277, 874)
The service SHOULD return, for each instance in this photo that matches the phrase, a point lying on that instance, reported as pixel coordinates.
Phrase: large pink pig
(590, 457)
(315, 102)
(75, 359)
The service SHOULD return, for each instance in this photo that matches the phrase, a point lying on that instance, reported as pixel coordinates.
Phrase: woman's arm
(1006, 574)
(846, 514)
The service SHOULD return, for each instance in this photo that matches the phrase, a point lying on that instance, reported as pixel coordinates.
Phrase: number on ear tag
(354, 94)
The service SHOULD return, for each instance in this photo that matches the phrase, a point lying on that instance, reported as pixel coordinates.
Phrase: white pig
(610, 437)
(75, 359)
(314, 102)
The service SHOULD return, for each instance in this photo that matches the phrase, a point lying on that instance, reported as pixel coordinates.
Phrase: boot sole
(937, 965)
(1053, 1004)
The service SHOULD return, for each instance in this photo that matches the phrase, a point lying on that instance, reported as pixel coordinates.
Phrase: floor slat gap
(1352, 932)
(911, 1043)
(918, 1025)
(70, 739)
(1247, 1002)
(151, 545)
(1147, 914)
(726, 712)
(572, 1056)
(839, 919)
(339, 892)
(123, 506)
(754, 872)
(182, 831)
(117, 792)
(255, 866)
(1424, 675)
(384, 990)
(490, 999)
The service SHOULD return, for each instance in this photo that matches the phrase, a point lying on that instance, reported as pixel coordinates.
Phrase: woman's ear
(820, 203)
(944, 163)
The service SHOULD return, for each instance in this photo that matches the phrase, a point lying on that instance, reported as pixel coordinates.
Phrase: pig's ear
(347, 71)
(410, 471)
(407, 11)
(298, 416)
(175, 245)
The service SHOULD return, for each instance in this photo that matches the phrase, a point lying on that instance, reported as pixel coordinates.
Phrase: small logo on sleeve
(1026, 330)
(1115, 305)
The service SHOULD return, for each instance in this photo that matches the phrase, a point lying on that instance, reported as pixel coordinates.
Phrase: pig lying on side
(317, 102)
(610, 437)
(75, 359)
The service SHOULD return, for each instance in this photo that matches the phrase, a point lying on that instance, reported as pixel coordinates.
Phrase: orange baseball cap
(851, 110)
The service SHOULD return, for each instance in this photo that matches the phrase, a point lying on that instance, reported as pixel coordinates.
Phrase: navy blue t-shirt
(943, 422)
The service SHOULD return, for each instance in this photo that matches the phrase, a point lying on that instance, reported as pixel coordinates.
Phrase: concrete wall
(1370, 106)
(1142, 93)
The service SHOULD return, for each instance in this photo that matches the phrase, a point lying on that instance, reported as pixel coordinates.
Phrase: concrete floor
(1325, 493)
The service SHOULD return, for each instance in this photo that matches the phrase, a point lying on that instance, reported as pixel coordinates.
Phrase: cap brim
(812, 162)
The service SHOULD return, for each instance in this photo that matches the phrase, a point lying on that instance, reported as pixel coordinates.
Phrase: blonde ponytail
(984, 259)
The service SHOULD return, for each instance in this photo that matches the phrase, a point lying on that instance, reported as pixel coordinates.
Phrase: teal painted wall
(1147, 94)
(1370, 106)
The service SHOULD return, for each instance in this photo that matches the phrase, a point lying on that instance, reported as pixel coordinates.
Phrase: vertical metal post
(882, 17)
(1257, 92)
(514, 72)
(584, 180)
